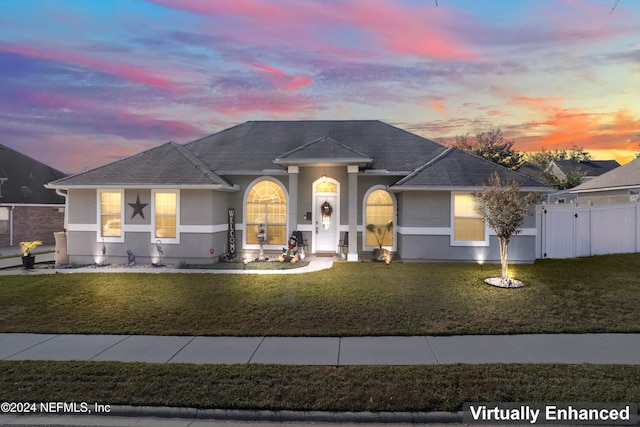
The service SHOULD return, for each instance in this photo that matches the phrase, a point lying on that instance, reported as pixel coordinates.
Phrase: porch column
(353, 213)
(292, 207)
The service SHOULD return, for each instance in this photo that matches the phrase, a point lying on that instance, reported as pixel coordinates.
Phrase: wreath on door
(326, 209)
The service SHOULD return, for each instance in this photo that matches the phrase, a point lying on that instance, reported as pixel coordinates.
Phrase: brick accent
(35, 223)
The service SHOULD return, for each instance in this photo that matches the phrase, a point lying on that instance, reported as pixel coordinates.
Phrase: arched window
(379, 217)
(267, 205)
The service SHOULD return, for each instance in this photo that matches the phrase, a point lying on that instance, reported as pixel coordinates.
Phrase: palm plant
(380, 231)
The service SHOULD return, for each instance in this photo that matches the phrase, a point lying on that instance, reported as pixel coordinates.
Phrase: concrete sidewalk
(330, 351)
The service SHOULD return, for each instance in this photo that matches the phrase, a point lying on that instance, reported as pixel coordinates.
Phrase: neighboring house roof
(457, 168)
(531, 170)
(169, 164)
(22, 179)
(626, 176)
(590, 167)
(262, 146)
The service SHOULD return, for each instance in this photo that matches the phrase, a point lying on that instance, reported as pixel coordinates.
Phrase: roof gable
(457, 168)
(322, 151)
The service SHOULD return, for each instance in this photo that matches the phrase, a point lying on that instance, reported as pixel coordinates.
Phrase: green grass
(401, 388)
(596, 294)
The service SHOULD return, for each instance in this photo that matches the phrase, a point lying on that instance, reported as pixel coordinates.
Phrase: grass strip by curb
(308, 388)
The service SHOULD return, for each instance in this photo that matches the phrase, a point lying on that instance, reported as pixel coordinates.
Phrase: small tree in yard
(503, 207)
(379, 232)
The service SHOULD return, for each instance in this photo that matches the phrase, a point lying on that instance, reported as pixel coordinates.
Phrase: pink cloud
(580, 20)
(59, 101)
(147, 126)
(282, 80)
(438, 105)
(420, 30)
(284, 104)
(135, 74)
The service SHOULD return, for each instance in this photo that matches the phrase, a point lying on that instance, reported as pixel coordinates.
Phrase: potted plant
(29, 260)
(379, 232)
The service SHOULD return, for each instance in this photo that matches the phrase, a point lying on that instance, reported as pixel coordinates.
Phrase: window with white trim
(468, 226)
(267, 205)
(110, 212)
(379, 212)
(165, 216)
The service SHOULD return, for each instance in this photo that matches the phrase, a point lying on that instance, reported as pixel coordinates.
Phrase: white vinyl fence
(568, 231)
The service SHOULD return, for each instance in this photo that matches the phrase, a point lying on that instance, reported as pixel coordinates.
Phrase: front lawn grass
(596, 294)
(319, 388)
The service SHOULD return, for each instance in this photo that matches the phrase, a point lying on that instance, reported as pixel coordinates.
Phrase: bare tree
(492, 146)
(504, 207)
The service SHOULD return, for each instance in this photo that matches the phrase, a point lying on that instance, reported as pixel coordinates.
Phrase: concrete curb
(285, 415)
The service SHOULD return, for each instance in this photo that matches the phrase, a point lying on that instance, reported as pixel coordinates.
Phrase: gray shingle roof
(590, 167)
(170, 164)
(255, 145)
(456, 168)
(624, 176)
(321, 150)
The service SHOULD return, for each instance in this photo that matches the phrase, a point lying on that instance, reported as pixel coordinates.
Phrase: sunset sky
(84, 83)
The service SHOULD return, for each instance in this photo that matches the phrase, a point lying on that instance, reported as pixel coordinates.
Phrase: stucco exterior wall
(422, 228)
(424, 209)
(82, 206)
(425, 228)
(415, 248)
(202, 227)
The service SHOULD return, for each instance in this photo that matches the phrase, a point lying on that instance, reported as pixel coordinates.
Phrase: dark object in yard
(131, 258)
(28, 262)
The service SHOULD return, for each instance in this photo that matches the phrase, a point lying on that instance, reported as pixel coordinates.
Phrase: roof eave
(343, 161)
(611, 188)
(398, 188)
(219, 187)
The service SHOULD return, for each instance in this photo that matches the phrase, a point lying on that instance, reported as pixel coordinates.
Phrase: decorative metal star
(137, 207)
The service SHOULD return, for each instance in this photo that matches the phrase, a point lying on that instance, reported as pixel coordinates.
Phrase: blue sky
(84, 83)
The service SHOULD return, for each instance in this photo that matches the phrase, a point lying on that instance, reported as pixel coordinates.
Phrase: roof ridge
(319, 140)
(216, 133)
(199, 164)
(425, 165)
(502, 166)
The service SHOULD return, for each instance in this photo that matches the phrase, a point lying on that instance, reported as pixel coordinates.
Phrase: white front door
(326, 217)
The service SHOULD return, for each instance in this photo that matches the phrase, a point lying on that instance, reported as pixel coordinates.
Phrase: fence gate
(568, 231)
